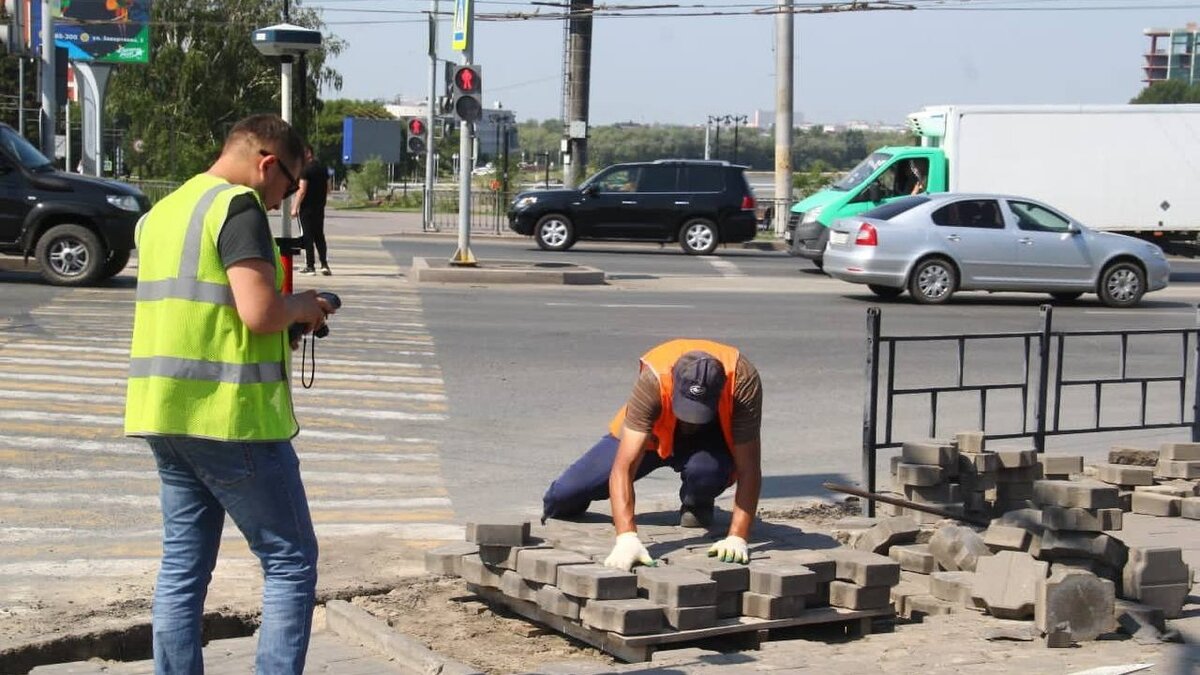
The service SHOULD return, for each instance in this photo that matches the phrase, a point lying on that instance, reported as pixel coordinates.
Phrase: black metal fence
(489, 211)
(1033, 381)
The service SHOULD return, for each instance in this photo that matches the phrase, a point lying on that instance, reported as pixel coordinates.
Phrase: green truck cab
(887, 174)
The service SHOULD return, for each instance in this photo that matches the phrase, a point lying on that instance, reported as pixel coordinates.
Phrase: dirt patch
(455, 623)
(814, 513)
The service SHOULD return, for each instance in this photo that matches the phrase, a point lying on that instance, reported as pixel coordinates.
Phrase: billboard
(365, 138)
(102, 31)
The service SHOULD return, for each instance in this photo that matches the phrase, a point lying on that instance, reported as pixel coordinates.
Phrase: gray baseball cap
(698, 379)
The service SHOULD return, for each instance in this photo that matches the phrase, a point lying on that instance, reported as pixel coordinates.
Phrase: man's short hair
(271, 133)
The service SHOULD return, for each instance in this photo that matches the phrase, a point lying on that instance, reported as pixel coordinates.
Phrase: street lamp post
(737, 119)
(287, 41)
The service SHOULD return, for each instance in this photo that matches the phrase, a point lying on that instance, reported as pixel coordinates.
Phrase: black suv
(79, 228)
(700, 204)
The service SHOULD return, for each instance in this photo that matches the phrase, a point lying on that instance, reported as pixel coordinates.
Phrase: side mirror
(874, 193)
(591, 190)
(1074, 230)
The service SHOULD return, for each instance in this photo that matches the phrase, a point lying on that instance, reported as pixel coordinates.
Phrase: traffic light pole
(430, 162)
(49, 105)
(463, 256)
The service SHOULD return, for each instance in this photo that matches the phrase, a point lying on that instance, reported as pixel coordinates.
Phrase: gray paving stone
(506, 556)
(446, 559)
(933, 494)
(914, 558)
(1059, 545)
(1120, 454)
(781, 578)
(1082, 520)
(1061, 465)
(955, 587)
(772, 606)
(977, 463)
(975, 482)
(677, 586)
(931, 452)
(970, 441)
(853, 596)
(541, 564)
(1017, 491)
(864, 568)
(1080, 599)
(597, 582)
(1006, 538)
(1016, 458)
(515, 586)
(887, 532)
(1085, 494)
(729, 604)
(475, 572)
(1167, 468)
(689, 618)
(553, 600)
(1170, 598)
(956, 547)
(498, 534)
(624, 617)
(1124, 474)
(921, 606)
(1022, 474)
(1174, 488)
(730, 577)
(1007, 584)
(1152, 565)
(1155, 504)
(902, 592)
(1190, 508)
(919, 474)
(1182, 452)
(1132, 616)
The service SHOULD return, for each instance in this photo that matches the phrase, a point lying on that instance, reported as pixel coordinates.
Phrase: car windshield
(894, 208)
(861, 172)
(25, 153)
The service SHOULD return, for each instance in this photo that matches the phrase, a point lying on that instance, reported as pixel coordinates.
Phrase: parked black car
(700, 204)
(79, 228)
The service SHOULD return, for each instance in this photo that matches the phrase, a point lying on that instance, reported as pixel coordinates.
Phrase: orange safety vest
(661, 360)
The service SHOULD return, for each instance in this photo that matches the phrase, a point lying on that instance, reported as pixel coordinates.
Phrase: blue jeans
(703, 462)
(258, 485)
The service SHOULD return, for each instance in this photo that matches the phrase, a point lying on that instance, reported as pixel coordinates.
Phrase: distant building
(1172, 54)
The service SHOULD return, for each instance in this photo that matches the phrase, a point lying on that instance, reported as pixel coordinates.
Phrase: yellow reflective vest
(195, 369)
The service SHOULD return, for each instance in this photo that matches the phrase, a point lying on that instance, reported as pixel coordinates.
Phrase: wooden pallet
(636, 648)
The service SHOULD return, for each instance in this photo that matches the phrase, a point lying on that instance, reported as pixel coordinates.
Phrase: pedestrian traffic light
(417, 133)
(466, 90)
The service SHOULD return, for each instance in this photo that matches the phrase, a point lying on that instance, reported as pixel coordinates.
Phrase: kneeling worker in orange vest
(697, 408)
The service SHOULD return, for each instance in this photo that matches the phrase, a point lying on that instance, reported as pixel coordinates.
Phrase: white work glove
(731, 549)
(628, 551)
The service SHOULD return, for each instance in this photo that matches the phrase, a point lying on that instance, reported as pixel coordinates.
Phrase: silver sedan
(935, 245)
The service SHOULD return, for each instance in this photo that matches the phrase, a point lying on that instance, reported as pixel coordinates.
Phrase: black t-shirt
(246, 233)
(318, 186)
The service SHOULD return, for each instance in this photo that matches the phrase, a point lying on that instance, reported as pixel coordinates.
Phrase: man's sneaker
(325, 270)
(308, 270)
(696, 516)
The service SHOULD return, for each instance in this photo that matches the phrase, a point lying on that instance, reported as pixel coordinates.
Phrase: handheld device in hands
(296, 330)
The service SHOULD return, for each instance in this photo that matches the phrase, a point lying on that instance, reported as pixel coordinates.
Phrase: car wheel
(117, 260)
(554, 232)
(1122, 284)
(887, 292)
(933, 281)
(698, 237)
(1066, 297)
(819, 263)
(71, 255)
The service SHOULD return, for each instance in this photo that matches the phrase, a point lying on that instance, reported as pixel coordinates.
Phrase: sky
(873, 66)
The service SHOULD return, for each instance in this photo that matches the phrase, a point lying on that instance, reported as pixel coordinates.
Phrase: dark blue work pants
(703, 462)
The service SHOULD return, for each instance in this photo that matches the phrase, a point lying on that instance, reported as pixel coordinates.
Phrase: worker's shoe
(696, 516)
(325, 270)
(308, 270)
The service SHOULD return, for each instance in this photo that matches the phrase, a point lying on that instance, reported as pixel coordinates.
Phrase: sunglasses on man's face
(293, 183)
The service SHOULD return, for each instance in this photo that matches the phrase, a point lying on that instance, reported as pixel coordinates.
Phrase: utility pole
(430, 118)
(49, 106)
(577, 86)
(784, 35)
(737, 119)
(707, 128)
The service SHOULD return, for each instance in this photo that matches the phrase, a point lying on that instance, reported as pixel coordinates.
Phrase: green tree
(204, 74)
(1169, 91)
(368, 180)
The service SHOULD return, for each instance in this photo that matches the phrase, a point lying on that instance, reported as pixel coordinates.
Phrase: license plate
(787, 235)
(838, 238)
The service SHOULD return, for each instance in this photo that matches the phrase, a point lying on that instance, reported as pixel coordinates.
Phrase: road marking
(1142, 312)
(372, 414)
(63, 362)
(725, 267)
(362, 377)
(61, 444)
(618, 305)
(62, 379)
(31, 415)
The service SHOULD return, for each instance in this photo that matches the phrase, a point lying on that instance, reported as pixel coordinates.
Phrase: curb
(354, 623)
(508, 272)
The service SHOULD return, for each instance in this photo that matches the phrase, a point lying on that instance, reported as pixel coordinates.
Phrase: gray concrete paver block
(1084, 494)
(1062, 545)
(1156, 504)
(920, 606)
(515, 586)
(1006, 538)
(1157, 576)
(553, 600)
(1016, 458)
(677, 586)
(914, 558)
(1124, 474)
(970, 441)
(853, 596)
(624, 617)
(1119, 454)
(446, 559)
(864, 568)
(1167, 468)
(730, 577)
(498, 534)
(1190, 508)
(956, 547)
(541, 564)
(597, 582)
(919, 474)
(932, 453)
(818, 561)
(729, 604)
(887, 532)
(1082, 520)
(1182, 452)
(781, 578)
(1061, 465)
(689, 618)
(475, 572)
(955, 587)
(1007, 583)
(1080, 599)
(772, 606)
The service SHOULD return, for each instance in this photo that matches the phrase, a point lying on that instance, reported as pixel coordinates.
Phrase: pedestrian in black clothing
(309, 206)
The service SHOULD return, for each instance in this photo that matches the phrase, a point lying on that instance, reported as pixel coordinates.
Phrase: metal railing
(1036, 378)
(489, 211)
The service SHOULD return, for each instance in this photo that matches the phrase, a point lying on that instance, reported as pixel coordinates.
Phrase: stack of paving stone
(687, 590)
(962, 477)
(1165, 482)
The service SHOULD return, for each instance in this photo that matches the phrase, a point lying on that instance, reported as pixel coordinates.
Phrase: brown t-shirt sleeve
(747, 402)
(644, 405)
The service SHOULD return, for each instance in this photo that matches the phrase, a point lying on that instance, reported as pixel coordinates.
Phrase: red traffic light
(416, 127)
(466, 79)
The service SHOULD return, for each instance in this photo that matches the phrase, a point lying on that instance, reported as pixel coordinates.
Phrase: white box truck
(1128, 168)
